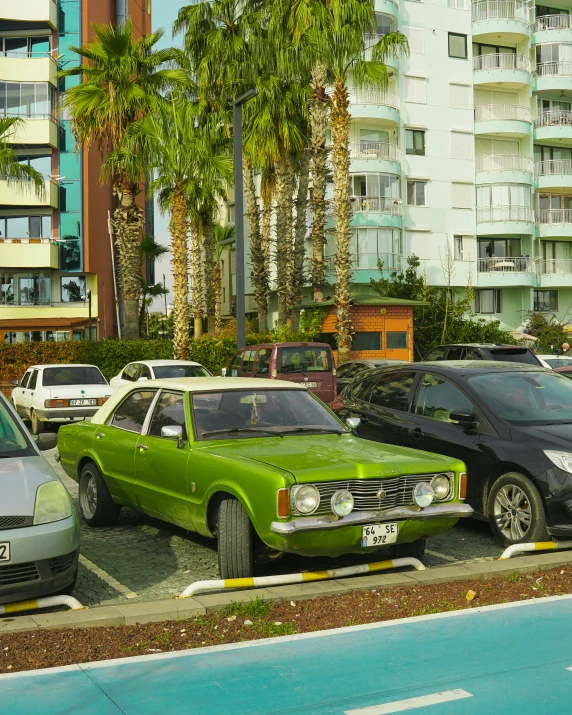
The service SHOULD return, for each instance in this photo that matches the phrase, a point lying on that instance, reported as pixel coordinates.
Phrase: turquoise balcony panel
(503, 168)
(374, 104)
(551, 28)
(509, 19)
(553, 78)
(554, 175)
(499, 272)
(554, 127)
(387, 6)
(555, 273)
(504, 120)
(554, 223)
(510, 70)
(505, 220)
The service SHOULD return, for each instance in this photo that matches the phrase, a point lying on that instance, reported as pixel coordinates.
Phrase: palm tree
(259, 248)
(221, 236)
(24, 176)
(123, 79)
(299, 252)
(209, 255)
(150, 251)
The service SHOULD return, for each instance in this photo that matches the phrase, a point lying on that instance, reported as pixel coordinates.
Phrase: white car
(553, 361)
(59, 394)
(157, 370)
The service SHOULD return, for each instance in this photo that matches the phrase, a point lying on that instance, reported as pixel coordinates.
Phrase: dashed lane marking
(398, 706)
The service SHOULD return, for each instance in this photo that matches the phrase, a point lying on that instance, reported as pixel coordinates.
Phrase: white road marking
(104, 576)
(439, 555)
(398, 706)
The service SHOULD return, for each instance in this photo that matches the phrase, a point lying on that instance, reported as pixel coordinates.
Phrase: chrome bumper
(439, 511)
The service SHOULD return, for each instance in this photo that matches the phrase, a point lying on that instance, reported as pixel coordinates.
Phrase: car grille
(398, 492)
(13, 522)
(61, 564)
(18, 573)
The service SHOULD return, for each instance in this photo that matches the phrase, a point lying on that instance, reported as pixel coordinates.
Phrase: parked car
(309, 364)
(554, 361)
(566, 371)
(510, 423)
(257, 463)
(478, 351)
(59, 393)
(348, 371)
(39, 526)
(157, 369)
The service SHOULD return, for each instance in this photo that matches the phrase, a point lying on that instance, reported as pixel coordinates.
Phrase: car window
(436, 354)
(25, 379)
(168, 412)
(437, 398)
(557, 362)
(72, 375)
(455, 353)
(13, 441)
(514, 355)
(306, 359)
(362, 388)
(263, 364)
(392, 390)
(33, 380)
(235, 365)
(343, 369)
(248, 361)
(130, 372)
(131, 413)
(472, 354)
(144, 371)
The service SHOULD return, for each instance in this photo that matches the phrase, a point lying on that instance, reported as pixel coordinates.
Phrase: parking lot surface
(145, 559)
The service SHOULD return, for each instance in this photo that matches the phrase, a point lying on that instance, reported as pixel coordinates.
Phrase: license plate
(309, 384)
(82, 403)
(4, 552)
(379, 534)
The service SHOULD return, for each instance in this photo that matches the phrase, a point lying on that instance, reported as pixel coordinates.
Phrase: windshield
(243, 413)
(514, 355)
(59, 376)
(13, 442)
(167, 371)
(526, 398)
(304, 359)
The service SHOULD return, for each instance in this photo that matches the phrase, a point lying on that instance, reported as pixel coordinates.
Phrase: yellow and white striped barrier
(284, 580)
(37, 603)
(535, 546)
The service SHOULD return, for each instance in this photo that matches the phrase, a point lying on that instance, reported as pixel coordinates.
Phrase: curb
(129, 614)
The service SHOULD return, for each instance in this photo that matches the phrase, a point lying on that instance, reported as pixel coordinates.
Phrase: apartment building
(56, 280)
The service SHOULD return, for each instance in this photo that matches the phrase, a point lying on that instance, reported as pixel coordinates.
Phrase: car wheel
(414, 550)
(234, 535)
(68, 590)
(95, 502)
(37, 424)
(515, 510)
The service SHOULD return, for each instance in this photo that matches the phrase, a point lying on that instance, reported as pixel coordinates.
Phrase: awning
(43, 323)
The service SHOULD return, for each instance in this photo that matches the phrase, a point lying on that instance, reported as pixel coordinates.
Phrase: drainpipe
(121, 11)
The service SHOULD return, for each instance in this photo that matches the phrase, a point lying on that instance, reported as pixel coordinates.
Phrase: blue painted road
(510, 659)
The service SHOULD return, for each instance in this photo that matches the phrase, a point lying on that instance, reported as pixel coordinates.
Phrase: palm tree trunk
(218, 295)
(258, 273)
(210, 267)
(179, 263)
(284, 189)
(319, 105)
(128, 223)
(267, 191)
(196, 274)
(300, 238)
(340, 118)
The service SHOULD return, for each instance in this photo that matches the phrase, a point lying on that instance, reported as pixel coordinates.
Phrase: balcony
(366, 264)
(29, 67)
(510, 69)
(554, 126)
(554, 223)
(556, 265)
(40, 129)
(555, 272)
(504, 220)
(507, 19)
(506, 272)
(493, 164)
(392, 63)
(12, 194)
(551, 28)
(374, 156)
(390, 7)
(553, 175)
(553, 77)
(376, 205)
(29, 253)
(504, 120)
(31, 11)
(370, 103)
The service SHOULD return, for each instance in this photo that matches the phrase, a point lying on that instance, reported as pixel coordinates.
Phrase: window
(25, 379)
(169, 412)
(415, 142)
(458, 248)
(418, 244)
(416, 90)
(35, 290)
(263, 363)
(436, 354)
(384, 24)
(392, 391)
(499, 248)
(25, 46)
(7, 290)
(462, 195)
(457, 46)
(546, 300)
(415, 37)
(33, 380)
(362, 388)
(25, 227)
(462, 145)
(130, 372)
(67, 375)
(397, 340)
(131, 413)
(366, 341)
(248, 361)
(73, 289)
(438, 397)
(457, 4)
(27, 99)
(460, 96)
(487, 301)
(416, 193)
(305, 359)
(235, 365)
(145, 372)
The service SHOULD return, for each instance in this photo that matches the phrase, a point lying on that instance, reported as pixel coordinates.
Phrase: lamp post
(239, 217)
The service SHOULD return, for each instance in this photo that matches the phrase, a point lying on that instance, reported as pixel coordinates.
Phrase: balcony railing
(555, 118)
(548, 216)
(552, 22)
(519, 264)
(488, 214)
(40, 301)
(500, 10)
(492, 112)
(373, 96)
(28, 239)
(369, 262)
(376, 204)
(504, 162)
(501, 61)
(550, 168)
(562, 68)
(374, 150)
(371, 39)
(29, 55)
(555, 265)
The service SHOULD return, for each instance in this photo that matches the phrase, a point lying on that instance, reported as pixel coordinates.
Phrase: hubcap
(513, 512)
(88, 497)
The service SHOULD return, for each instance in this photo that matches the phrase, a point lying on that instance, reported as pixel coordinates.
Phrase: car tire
(512, 502)
(37, 424)
(68, 590)
(95, 502)
(234, 536)
(413, 550)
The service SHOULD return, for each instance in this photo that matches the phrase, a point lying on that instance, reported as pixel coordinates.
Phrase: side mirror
(172, 432)
(140, 379)
(16, 383)
(462, 417)
(45, 441)
(353, 422)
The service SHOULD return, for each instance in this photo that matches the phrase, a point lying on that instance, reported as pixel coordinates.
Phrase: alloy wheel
(513, 512)
(88, 496)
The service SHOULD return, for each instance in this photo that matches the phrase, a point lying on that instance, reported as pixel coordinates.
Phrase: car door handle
(142, 447)
(99, 435)
(364, 419)
(416, 433)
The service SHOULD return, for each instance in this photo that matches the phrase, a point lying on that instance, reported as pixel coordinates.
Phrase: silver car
(39, 527)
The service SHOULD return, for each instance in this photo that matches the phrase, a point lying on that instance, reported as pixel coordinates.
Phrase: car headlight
(305, 499)
(53, 503)
(563, 460)
(423, 494)
(342, 502)
(441, 485)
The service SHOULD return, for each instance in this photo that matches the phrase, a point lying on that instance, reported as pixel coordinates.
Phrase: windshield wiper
(241, 429)
(322, 430)
(294, 370)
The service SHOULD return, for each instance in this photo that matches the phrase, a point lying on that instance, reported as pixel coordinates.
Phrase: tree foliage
(550, 333)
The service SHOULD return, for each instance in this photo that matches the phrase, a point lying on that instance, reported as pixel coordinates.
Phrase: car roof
(555, 357)
(61, 364)
(472, 367)
(480, 345)
(158, 363)
(285, 345)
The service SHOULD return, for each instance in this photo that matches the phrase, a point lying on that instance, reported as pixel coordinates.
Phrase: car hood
(545, 436)
(19, 479)
(324, 458)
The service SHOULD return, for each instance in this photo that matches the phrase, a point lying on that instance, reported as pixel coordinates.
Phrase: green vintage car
(261, 465)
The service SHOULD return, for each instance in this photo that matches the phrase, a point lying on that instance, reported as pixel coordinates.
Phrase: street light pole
(239, 217)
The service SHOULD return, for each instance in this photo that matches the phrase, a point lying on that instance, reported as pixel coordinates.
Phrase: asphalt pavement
(513, 659)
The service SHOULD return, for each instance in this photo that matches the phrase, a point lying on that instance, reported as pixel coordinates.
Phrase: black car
(510, 423)
(348, 371)
(483, 351)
